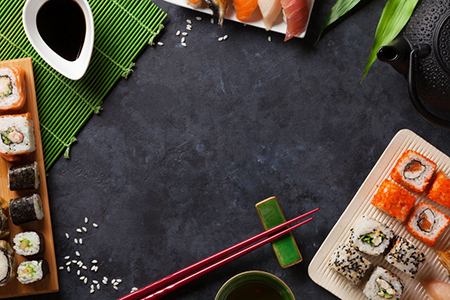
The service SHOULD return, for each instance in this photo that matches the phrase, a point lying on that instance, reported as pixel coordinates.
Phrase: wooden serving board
(50, 283)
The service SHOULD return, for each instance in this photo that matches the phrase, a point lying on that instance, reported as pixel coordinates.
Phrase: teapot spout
(396, 53)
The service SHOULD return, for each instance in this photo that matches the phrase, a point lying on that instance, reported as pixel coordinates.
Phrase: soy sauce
(62, 26)
(254, 291)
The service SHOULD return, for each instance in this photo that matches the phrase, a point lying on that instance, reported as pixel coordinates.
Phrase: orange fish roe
(413, 171)
(440, 190)
(394, 200)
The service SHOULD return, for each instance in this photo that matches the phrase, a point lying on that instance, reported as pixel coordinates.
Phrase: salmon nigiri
(195, 3)
(296, 13)
(270, 9)
(219, 7)
(245, 8)
(438, 290)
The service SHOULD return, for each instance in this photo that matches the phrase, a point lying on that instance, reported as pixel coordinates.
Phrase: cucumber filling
(374, 239)
(385, 289)
(5, 86)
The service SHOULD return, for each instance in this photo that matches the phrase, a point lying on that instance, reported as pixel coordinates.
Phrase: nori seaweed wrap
(31, 271)
(26, 209)
(23, 177)
(4, 227)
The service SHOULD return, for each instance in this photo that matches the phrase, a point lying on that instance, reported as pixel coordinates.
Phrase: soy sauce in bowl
(62, 26)
(254, 291)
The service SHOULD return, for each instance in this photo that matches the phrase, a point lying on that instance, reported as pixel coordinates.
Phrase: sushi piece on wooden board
(7, 263)
(12, 88)
(17, 134)
(26, 209)
(382, 284)
(29, 243)
(413, 171)
(426, 223)
(349, 263)
(394, 200)
(23, 177)
(370, 236)
(296, 13)
(270, 9)
(440, 190)
(405, 256)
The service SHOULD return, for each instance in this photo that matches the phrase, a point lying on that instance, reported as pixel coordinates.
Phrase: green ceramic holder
(285, 248)
(252, 277)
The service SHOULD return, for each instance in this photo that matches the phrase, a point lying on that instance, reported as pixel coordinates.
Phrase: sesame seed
(79, 230)
(66, 257)
(94, 261)
(77, 253)
(184, 33)
(119, 280)
(92, 268)
(95, 281)
(80, 241)
(160, 44)
(115, 287)
(91, 291)
(84, 267)
(188, 27)
(78, 272)
(95, 225)
(112, 281)
(198, 18)
(92, 286)
(96, 269)
(225, 37)
(75, 261)
(189, 21)
(116, 283)
(98, 286)
(68, 263)
(67, 236)
(75, 241)
(85, 280)
(84, 229)
(82, 277)
(178, 33)
(183, 44)
(61, 268)
(86, 220)
(220, 39)
(183, 39)
(269, 38)
(68, 269)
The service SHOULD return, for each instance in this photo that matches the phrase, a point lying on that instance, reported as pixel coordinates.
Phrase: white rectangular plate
(361, 205)
(254, 20)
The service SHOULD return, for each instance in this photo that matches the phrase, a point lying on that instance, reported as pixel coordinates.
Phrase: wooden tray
(50, 283)
(361, 205)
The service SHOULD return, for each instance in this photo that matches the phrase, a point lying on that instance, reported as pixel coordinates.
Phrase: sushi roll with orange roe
(440, 190)
(427, 223)
(12, 88)
(413, 171)
(394, 200)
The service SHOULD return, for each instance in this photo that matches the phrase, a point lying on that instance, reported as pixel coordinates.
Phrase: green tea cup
(254, 285)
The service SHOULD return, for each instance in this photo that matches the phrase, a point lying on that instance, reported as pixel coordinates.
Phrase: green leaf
(395, 15)
(340, 8)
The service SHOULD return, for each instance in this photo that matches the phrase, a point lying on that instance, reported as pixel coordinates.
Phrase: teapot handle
(417, 52)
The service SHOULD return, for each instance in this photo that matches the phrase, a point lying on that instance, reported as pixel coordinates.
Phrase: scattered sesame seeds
(92, 268)
(75, 261)
(183, 44)
(188, 27)
(84, 229)
(66, 257)
(68, 263)
(220, 39)
(78, 272)
(113, 281)
(95, 281)
(95, 225)
(115, 287)
(67, 236)
(98, 286)
(269, 38)
(160, 44)
(79, 230)
(225, 37)
(119, 280)
(86, 220)
(178, 33)
(133, 289)
(80, 264)
(61, 268)
(77, 253)
(198, 18)
(184, 33)
(94, 261)
(68, 269)
(183, 39)
(80, 241)
(75, 241)
(84, 267)
(82, 277)
(86, 280)
(188, 21)
(91, 291)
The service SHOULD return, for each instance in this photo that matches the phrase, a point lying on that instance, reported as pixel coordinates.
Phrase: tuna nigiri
(296, 13)
(245, 8)
(219, 7)
(270, 9)
(437, 290)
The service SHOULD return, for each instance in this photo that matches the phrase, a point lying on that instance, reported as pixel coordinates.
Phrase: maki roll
(382, 284)
(23, 177)
(7, 263)
(370, 236)
(4, 227)
(32, 271)
(394, 200)
(413, 171)
(12, 88)
(29, 243)
(16, 134)
(405, 256)
(26, 209)
(426, 223)
(349, 263)
(440, 190)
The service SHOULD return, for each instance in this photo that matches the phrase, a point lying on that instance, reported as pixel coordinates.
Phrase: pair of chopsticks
(163, 287)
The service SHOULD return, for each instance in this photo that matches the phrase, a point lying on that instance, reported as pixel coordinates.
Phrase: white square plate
(361, 205)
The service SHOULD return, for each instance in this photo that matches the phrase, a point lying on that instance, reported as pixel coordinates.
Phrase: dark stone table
(173, 166)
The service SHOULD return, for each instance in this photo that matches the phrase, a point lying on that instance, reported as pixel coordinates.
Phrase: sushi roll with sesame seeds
(26, 209)
(413, 171)
(349, 263)
(382, 285)
(405, 256)
(426, 223)
(29, 243)
(7, 263)
(23, 177)
(32, 271)
(370, 236)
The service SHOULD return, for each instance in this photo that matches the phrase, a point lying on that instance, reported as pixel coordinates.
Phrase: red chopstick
(203, 263)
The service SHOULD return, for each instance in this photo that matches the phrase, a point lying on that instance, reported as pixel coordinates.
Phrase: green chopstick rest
(285, 247)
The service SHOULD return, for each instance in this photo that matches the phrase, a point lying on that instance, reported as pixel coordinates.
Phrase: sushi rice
(28, 243)
(7, 263)
(32, 271)
(382, 284)
(349, 263)
(17, 134)
(370, 236)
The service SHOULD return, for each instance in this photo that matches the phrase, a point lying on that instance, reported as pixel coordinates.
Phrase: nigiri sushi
(437, 290)
(270, 9)
(219, 8)
(296, 13)
(245, 8)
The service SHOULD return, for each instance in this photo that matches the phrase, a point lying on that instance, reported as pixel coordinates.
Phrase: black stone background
(172, 167)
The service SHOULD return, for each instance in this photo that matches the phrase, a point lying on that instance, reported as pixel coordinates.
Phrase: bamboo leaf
(395, 15)
(339, 9)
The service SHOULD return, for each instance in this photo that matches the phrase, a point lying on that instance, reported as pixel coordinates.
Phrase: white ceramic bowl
(71, 69)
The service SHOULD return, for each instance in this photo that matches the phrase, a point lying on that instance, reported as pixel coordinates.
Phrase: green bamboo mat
(122, 29)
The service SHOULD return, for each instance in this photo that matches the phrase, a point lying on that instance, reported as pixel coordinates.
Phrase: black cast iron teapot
(421, 53)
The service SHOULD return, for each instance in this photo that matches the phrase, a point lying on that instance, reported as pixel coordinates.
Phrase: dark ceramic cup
(254, 277)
